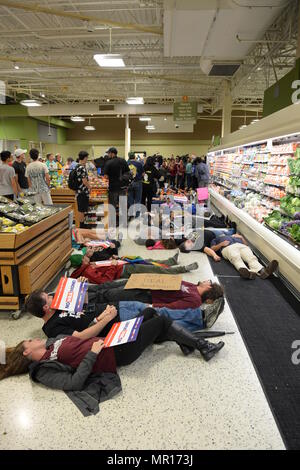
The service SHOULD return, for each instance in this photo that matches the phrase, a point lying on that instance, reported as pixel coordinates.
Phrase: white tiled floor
(168, 401)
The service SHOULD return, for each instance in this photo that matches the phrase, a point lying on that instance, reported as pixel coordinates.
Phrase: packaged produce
(7, 208)
(4, 200)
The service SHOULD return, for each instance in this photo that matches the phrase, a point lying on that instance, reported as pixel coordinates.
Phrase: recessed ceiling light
(77, 118)
(165, 119)
(16, 67)
(135, 100)
(30, 103)
(145, 118)
(109, 60)
(89, 128)
(42, 95)
(108, 100)
(259, 68)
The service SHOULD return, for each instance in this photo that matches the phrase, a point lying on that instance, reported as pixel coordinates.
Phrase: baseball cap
(113, 150)
(19, 152)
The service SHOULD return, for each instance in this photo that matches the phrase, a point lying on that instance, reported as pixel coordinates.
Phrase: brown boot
(246, 274)
(266, 272)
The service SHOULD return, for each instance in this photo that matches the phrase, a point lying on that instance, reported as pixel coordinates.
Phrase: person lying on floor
(99, 274)
(189, 296)
(71, 363)
(58, 322)
(234, 248)
(200, 241)
(94, 254)
(84, 235)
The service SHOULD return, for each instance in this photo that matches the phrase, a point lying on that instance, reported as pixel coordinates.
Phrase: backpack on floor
(73, 182)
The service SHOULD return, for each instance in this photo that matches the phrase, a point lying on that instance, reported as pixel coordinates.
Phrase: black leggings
(148, 193)
(150, 330)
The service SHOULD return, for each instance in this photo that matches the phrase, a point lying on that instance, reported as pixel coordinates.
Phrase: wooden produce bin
(66, 196)
(30, 259)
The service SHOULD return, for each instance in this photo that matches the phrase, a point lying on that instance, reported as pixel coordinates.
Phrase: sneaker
(266, 272)
(212, 312)
(191, 267)
(246, 274)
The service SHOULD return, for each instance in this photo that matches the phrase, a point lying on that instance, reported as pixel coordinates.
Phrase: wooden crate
(39, 269)
(66, 196)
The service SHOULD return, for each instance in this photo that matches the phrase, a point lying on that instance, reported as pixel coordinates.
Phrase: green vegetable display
(295, 233)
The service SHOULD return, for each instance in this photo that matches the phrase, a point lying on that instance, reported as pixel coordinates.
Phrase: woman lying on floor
(99, 253)
(100, 274)
(67, 362)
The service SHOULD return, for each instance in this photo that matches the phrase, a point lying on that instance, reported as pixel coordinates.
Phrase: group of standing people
(184, 172)
(17, 177)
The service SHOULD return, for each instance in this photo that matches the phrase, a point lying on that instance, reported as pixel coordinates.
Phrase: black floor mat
(266, 314)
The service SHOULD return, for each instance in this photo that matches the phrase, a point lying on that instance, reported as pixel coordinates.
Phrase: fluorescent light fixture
(89, 128)
(77, 119)
(150, 128)
(135, 100)
(16, 67)
(30, 103)
(109, 60)
(145, 118)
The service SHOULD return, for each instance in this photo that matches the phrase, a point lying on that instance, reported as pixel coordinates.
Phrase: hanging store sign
(186, 111)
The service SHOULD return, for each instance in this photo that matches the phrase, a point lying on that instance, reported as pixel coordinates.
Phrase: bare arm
(14, 185)
(240, 236)
(210, 252)
(47, 178)
(220, 245)
(92, 331)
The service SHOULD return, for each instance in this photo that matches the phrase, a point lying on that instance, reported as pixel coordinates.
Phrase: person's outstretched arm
(105, 317)
(210, 252)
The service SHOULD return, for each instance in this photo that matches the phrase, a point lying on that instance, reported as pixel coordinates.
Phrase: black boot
(188, 342)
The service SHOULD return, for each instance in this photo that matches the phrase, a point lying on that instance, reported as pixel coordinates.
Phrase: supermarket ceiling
(170, 48)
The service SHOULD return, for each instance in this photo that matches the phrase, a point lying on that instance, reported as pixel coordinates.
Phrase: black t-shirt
(65, 323)
(20, 168)
(114, 168)
(150, 175)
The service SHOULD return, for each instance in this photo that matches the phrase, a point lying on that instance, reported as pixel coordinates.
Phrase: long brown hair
(16, 363)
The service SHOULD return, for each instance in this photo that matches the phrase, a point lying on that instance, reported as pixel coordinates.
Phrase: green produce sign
(185, 111)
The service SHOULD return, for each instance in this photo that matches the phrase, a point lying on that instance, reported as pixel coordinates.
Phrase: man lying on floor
(100, 274)
(58, 322)
(234, 248)
(189, 295)
(73, 364)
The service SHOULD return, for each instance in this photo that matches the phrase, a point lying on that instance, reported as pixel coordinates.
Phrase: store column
(127, 137)
(227, 109)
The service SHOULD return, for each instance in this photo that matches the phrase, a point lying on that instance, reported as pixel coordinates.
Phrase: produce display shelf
(273, 184)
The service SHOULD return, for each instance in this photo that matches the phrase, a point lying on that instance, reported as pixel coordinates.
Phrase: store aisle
(168, 401)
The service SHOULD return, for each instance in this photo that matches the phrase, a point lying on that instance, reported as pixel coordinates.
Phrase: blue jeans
(135, 194)
(221, 231)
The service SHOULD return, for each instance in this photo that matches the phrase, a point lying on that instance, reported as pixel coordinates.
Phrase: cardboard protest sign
(154, 281)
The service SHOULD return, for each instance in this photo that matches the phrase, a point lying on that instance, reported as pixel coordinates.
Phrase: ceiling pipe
(35, 8)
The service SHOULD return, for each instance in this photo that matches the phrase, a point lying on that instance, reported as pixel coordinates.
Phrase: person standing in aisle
(83, 191)
(181, 174)
(149, 184)
(115, 168)
(173, 172)
(8, 182)
(20, 168)
(202, 173)
(136, 188)
(51, 164)
(58, 161)
(38, 177)
(188, 172)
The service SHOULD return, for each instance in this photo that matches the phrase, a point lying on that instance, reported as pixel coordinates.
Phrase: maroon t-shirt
(187, 297)
(71, 351)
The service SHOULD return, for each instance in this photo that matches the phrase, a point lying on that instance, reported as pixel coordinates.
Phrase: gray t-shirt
(6, 174)
(36, 171)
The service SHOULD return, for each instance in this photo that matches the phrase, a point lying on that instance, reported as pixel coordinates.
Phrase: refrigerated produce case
(258, 186)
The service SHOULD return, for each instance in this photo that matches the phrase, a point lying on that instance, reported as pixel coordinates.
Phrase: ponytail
(16, 362)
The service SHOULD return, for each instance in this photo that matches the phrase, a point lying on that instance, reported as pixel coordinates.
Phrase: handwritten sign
(154, 281)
